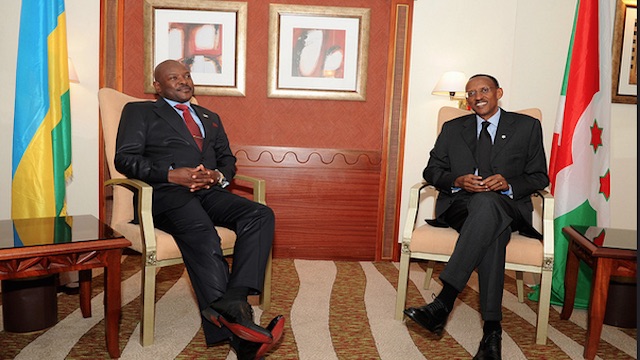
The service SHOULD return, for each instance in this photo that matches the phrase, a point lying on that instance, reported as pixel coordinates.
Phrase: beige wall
(523, 43)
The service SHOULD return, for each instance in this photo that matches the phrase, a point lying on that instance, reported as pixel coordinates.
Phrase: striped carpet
(334, 310)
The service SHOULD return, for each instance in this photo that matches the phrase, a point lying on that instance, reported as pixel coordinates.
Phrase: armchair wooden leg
(428, 275)
(520, 285)
(403, 279)
(544, 304)
(148, 305)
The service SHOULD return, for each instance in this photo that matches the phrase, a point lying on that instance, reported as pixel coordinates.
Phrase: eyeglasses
(484, 91)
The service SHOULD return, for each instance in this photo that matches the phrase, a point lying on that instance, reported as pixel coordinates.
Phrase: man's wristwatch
(222, 181)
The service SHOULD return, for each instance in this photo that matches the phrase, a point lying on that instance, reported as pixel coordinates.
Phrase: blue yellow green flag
(41, 163)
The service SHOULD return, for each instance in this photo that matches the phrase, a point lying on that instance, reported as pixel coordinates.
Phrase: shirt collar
(174, 103)
(494, 120)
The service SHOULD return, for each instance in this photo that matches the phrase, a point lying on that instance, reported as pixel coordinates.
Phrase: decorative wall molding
(275, 156)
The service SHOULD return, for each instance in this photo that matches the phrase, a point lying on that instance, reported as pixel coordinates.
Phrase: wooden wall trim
(111, 44)
(395, 117)
(110, 75)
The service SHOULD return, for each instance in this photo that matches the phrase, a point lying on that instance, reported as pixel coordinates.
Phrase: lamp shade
(452, 83)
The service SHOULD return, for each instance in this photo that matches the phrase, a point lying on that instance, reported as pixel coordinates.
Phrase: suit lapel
(207, 123)
(175, 121)
(503, 134)
(469, 133)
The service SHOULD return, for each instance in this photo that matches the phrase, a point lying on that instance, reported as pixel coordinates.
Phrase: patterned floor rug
(334, 310)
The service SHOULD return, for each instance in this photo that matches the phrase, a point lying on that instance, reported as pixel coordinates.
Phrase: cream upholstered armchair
(158, 248)
(425, 242)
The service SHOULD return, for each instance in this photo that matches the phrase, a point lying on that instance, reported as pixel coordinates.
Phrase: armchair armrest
(412, 214)
(145, 196)
(258, 185)
(548, 235)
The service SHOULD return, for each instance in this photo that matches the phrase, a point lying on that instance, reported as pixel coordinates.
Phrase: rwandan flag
(579, 164)
(42, 123)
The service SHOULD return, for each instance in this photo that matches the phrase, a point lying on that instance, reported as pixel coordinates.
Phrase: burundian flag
(579, 163)
(41, 161)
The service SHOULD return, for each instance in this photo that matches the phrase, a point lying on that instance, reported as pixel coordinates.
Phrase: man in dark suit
(182, 151)
(485, 166)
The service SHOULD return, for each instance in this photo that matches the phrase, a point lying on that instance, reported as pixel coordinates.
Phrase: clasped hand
(475, 183)
(195, 179)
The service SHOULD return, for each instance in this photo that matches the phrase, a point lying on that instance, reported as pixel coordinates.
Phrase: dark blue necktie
(483, 151)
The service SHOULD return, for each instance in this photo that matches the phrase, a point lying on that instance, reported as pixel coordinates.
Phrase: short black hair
(495, 81)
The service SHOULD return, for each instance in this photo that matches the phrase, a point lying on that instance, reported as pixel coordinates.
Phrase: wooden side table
(609, 252)
(36, 247)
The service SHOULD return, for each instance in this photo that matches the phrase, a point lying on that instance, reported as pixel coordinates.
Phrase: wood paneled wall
(326, 200)
(332, 167)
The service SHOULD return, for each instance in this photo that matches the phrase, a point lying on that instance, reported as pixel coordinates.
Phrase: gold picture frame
(318, 52)
(207, 36)
(624, 87)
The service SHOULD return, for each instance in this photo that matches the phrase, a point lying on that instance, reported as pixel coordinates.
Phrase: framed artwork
(209, 37)
(625, 53)
(318, 52)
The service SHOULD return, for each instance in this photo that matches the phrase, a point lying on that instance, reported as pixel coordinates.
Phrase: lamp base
(462, 104)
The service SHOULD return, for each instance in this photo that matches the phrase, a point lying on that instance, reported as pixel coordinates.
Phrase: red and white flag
(579, 164)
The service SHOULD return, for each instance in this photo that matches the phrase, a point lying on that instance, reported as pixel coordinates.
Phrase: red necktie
(191, 124)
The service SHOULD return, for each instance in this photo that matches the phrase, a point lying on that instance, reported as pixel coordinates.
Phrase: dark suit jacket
(152, 138)
(517, 154)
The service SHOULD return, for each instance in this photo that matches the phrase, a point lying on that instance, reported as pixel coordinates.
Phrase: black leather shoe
(432, 317)
(247, 350)
(490, 346)
(237, 316)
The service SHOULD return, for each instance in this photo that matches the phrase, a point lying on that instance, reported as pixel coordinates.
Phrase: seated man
(485, 166)
(182, 151)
